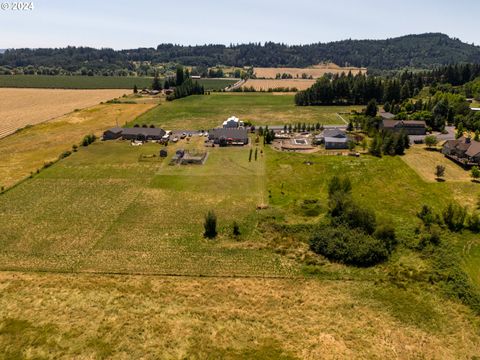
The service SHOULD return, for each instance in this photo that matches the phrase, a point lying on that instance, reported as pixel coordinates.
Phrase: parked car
(175, 139)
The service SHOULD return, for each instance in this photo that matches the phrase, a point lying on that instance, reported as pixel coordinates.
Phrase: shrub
(65, 154)
(235, 229)
(386, 232)
(349, 246)
(430, 237)
(428, 216)
(355, 216)
(88, 139)
(454, 216)
(210, 225)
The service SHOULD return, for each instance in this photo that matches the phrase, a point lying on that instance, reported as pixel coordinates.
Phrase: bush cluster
(353, 236)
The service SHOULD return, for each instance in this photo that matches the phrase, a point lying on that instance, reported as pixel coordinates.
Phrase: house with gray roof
(463, 150)
(135, 133)
(335, 139)
(228, 136)
(409, 127)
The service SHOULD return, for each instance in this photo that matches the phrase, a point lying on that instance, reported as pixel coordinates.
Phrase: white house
(232, 122)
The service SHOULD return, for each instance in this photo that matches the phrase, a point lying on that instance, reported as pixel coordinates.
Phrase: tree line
(413, 51)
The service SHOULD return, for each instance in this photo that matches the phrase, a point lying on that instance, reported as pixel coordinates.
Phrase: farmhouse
(113, 133)
(335, 139)
(410, 127)
(463, 150)
(228, 136)
(232, 123)
(136, 133)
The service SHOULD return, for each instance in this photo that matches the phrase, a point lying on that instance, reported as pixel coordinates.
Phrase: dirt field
(22, 107)
(260, 84)
(315, 71)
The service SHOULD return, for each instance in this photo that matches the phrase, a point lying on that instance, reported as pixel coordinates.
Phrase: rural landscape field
(301, 185)
(38, 106)
(315, 71)
(265, 85)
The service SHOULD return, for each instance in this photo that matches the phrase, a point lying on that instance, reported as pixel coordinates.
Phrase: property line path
(341, 117)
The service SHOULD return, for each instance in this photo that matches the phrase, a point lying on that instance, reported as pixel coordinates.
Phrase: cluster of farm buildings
(233, 132)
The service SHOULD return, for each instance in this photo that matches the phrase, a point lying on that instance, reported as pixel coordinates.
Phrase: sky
(124, 24)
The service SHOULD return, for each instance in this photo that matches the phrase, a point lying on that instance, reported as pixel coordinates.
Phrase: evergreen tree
(135, 89)
(372, 108)
(179, 79)
(210, 225)
(156, 84)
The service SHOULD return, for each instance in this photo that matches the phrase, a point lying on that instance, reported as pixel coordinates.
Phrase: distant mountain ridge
(417, 51)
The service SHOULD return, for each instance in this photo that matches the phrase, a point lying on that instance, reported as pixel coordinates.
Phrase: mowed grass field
(209, 111)
(29, 149)
(94, 82)
(123, 317)
(264, 85)
(21, 107)
(104, 210)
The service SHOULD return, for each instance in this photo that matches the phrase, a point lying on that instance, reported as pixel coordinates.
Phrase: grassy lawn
(424, 162)
(90, 316)
(208, 111)
(29, 149)
(93, 82)
(104, 210)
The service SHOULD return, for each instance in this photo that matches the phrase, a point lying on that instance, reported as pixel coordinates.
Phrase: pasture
(22, 107)
(315, 71)
(27, 150)
(90, 316)
(208, 111)
(104, 210)
(93, 82)
(265, 85)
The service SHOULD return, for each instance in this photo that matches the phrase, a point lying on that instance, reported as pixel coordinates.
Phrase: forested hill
(418, 51)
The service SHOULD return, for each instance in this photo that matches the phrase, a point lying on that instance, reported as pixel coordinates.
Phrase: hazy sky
(124, 24)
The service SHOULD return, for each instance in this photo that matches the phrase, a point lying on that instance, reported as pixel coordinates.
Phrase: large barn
(135, 133)
(228, 136)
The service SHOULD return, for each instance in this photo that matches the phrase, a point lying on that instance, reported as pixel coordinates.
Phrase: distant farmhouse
(228, 136)
(135, 133)
(232, 123)
(410, 127)
(335, 139)
(463, 150)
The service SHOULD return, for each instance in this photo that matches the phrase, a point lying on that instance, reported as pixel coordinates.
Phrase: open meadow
(94, 82)
(22, 107)
(315, 71)
(102, 254)
(206, 112)
(95, 317)
(265, 85)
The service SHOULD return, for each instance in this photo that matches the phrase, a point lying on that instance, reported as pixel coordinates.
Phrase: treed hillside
(418, 51)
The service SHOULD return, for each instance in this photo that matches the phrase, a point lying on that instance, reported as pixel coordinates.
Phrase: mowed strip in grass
(94, 82)
(29, 149)
(208, 111)
(103, 210)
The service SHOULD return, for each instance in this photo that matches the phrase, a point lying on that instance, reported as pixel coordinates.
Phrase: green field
(83, 236)
(93, 82)
(208, 111)
(114, 213)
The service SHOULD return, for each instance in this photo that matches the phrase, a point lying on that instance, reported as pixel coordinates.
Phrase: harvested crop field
(22, 107)
(261, 84)
(315, 71)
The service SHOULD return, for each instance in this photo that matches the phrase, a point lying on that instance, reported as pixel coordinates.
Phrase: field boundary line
(341, 117)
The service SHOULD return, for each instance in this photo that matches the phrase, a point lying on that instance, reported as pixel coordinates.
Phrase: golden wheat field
(22, 107)
(265, 84)
(315, 71)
